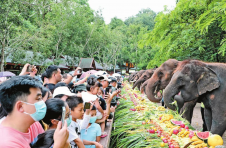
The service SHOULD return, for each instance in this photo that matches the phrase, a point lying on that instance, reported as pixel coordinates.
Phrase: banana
(197, 142)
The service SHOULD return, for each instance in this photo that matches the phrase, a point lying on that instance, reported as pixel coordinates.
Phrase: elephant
(205, 82)
(145, 76)
(132, 76)
(159, 80)
(138, 75)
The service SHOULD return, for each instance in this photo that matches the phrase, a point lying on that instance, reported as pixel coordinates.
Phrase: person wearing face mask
(93, 130)
(21, 100)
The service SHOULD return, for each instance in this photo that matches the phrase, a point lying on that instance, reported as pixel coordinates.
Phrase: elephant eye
(160, 73)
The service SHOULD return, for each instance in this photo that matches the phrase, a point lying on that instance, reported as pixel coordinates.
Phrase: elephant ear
(208, 81)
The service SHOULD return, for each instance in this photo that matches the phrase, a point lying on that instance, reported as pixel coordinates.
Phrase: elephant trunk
(180, 102)
(137, 83)
(168, 95)
(143, 87)
(151, 91)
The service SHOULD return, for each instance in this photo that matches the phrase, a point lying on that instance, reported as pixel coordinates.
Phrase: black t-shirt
(102, 103)
(50, 86)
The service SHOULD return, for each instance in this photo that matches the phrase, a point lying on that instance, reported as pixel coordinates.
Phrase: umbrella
(116, 74)
(88, 72)
(6, 74)
(101, 73)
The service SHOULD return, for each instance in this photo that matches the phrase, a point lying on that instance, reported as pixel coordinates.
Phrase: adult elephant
(132, 76)
(138, 75)
(159, 80)
(206, 82)
(145, 76)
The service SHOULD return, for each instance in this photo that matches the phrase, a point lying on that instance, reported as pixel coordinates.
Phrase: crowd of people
(55, 110)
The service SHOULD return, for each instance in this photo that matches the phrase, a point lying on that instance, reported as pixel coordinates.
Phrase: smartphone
(119, 86)
(63, 115)
(79, 71)
(87, 105)
(30, 68)
(107, 90)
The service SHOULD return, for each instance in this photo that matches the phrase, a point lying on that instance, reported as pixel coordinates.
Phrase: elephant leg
(208, 118)
(218, 127)
(204, 127)
(218, 122)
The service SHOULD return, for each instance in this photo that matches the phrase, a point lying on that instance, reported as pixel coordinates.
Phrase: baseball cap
(113, 79)
(80, 87)
(105, 78)
(63, 90)
(98, 77)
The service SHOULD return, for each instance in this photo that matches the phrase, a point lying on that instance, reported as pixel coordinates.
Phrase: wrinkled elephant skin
(145, 76)
(160, 79)
(206, 81)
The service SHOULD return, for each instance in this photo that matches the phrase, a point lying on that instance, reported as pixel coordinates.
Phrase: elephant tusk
(156, 89)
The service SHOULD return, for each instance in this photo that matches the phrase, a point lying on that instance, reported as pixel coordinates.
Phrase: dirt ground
(197, 121)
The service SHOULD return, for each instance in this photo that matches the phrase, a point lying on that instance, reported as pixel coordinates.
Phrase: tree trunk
(115, 64)
(2, 56)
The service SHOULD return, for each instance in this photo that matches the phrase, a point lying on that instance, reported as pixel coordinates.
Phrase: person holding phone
(113, 87)
(24, 108)
(80, 120)
(93, 131)
(91, 95)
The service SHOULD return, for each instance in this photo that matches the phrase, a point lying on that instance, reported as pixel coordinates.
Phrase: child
(93, 130)
(51, 119)
(104, 107)
(77, 124)
(91, 96)
(54, 113)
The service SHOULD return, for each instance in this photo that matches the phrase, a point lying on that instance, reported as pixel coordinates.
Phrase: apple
(165, 141)
(151, 131)
(143, 122)
(186, 127)
(182, 125)
(175, 132)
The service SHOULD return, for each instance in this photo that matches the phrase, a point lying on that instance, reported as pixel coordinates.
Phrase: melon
(203, 135)
(176, 122)
(215, 140)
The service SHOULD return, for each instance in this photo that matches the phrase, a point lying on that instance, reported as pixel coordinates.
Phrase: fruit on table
(186, 127)
(162, 144)
(165, 140)
(182, 125)
(161, 108)
(175, 132)
(215, 140)
(191, 134)
(176, 122)
(151, 131)
(202, 135)
(165, 117)
(183, 133)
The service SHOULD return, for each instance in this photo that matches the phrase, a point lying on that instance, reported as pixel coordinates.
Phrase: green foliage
(193, 30)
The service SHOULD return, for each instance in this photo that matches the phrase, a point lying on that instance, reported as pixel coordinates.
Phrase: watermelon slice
(203, 135)
(176, 122)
